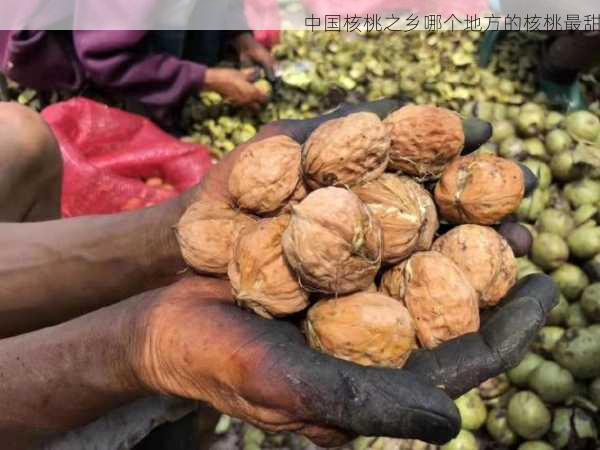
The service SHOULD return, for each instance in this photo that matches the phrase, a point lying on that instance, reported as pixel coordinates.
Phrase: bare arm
(62, 377)
(53, 271)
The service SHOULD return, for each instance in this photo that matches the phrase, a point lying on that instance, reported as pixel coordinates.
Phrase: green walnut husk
(535, 445)
(583, 125)
(552, 383)
(558, 141)
(571, 280)
(497, 427)
(554, 120)
(472, 410)
(464, 441)
(547, 338)
(590, 302)
(502, 130)
(531, 121)
(558, 315)
(549, 251)
(528, 416)
(575, 317)
(584, 214)
(583, 192)
(535, 148)
(584, 242)
(519, 375)
(592, 268)
(579, 352)
(512, 148)
(572, 428)
(541, 170)
(564, 166)
(526, 267)
(531, 207)
(555, 221)
(594, 392)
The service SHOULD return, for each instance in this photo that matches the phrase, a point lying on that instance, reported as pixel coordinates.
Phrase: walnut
(260, 276)
(267, 175)
(206, 233)
(484, 257)
(425, 139)
(481, 189)
(438, 296)
(406, 213)
(346, 151)
(365, 328)
(333, 242)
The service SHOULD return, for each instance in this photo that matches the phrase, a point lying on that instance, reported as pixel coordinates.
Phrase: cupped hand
(236, 86)
(194, 342)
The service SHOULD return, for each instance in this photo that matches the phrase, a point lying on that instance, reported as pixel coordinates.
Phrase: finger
(466, 362)
(373, 401)
(531, 181)
(300, 130)
(251, 74)
(477, 132)
(518, 237)
(326, 437)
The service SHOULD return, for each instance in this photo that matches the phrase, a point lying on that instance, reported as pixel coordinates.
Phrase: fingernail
(477, 132)
(518, 237)
(531, 181)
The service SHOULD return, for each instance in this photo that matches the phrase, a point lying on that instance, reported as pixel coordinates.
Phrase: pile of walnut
(339, 228)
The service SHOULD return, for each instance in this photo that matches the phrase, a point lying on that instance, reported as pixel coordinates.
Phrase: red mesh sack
(108, 153)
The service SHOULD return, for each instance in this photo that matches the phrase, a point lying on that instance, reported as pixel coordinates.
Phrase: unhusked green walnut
(333, 242)
(370, 329)
(549, 251)
(555, 221)
(480, 190)
(346, 151)
(590, 302)
(552, 383)
(406, 213)
(266, 175)
(528, 416)
(584, 242)
(438, 296)
(519, 375)
(473, 412)
(578, 351)
(583, 125)
(484, 257)
(260, 276)
(206, 233)
(571, 280)
(464, 441)
(425, 139)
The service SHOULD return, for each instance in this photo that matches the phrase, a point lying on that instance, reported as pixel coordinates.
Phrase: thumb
(369, 401)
